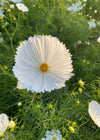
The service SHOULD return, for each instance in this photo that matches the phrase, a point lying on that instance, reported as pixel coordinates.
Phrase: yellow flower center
(54, 138)
(1, 134)
(44, 67)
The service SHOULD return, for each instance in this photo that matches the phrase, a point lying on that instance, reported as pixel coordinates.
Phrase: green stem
(66, 100)
(12, 45)
(7, 32)
(5, 46)
(81, 125)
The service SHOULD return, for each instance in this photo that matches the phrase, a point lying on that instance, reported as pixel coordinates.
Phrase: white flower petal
(91, 24)
(22, 7)
(12, 6)
(2, 2)
(4, 122)
(1, 13)
(94, 112)
(98, 39)
(20, 85)
(76, 7)
(15, 1)
(51, 134)
(36, 51)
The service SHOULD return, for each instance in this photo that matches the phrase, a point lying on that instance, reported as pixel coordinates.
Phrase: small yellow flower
(9, 10)
(84, 61)
(2, 20)
(78, 102)
(74, 124)
(21, 42)
(14, 18)
(81, 83)
(80, 90)
(88, 43)
(34, 5)
(11, 124)
(38, 106)
(88, 62)
(71, 129)
(50, 106)
(5, 67)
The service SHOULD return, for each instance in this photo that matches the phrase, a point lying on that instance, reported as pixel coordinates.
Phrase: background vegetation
(65, 109)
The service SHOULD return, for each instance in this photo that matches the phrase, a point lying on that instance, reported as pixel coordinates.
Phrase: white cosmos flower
(94, 112)
(1, 40)
(12, 6)
(15, 1)
(92, 24)
(53, 135)
(95, 11)
(98, 39)
(79, 42)
(19, 103)
(1, 13)
(43, 64)
(4, 122)
(76, 7)
(2, 2)
(22, 7)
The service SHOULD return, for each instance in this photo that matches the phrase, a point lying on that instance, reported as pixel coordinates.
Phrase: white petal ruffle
(38, 50)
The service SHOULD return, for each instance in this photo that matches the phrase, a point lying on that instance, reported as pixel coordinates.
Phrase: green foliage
(65, 109)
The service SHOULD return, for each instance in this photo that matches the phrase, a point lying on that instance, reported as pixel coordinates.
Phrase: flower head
(19, 103)
(50, 106)
(79, 42)
(80, 90)
(81, 83)
(91, 24)
(15, 1)
(1, 13)
(3, 123)
(11, 6)
(38, 106)
(22, 7)
(94, 112)
(76, 7)
(95, 11)
(72, 129)
(1, 39)
(43, 64)
(53, 135)
(19, 85)
(2, 2)
(98, 39)
(11, 124)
